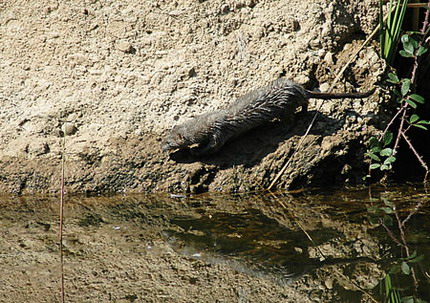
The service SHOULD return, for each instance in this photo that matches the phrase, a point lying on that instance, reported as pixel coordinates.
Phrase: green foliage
(403, 95)
(382, 156)
(390, 30)
(380, 214)
(392, 295)
(411, 46)
(415, 120)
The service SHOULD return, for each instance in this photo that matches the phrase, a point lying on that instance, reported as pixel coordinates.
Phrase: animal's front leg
(213, 145)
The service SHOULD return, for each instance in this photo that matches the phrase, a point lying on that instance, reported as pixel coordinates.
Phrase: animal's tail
(319, 95)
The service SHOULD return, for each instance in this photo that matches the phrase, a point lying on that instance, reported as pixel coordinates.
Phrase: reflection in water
(254, 244)
(248, 242)
(330, 246)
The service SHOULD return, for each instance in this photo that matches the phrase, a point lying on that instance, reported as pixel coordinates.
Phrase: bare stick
(284, 168)
(62, 190)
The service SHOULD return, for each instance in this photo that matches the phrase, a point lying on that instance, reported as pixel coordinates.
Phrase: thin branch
(399, 132)
(423, 164)
(405, 245)
(390, 233)
(62, 191)
(417, 207)
(392, 121)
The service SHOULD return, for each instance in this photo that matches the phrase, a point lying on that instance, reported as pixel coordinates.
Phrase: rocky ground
(116, 76)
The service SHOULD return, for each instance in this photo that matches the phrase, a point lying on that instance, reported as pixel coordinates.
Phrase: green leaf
(397, 93)
(413, 255)
(372, 209)
(385, 167)
(408, 299)
(374, 165)
(387, 202)
(393, 78)
(374, 157)
(375, 149)
(414, 41)
(406, 84)
(420, 126)
(389, 160)
(386, 152)
(422, 50)
(423, 122)
(417, 259)
(387, 138)
(411, 103)
(405, 54)
(409, 48)
(388, 221)
(405, 268)
(387, 210)
(414, 118)
(405, 38)
(373, 141)
(417, 98)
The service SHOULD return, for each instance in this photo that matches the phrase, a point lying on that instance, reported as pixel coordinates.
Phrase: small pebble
(125, 47)
(69, 129)
(328, 58)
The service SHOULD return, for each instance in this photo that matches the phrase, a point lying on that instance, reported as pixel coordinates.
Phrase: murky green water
(354, 245)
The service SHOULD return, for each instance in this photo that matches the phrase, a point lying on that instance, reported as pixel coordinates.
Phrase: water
(307, 246)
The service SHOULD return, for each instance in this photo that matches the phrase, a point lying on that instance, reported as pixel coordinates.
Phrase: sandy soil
(117, 76)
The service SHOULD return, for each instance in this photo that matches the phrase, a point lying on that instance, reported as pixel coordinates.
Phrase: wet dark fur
(279, 99)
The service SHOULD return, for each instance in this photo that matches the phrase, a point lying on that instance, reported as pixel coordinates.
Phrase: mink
(280, 99)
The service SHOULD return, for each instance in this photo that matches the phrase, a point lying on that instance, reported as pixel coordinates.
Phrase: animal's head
(175, 139)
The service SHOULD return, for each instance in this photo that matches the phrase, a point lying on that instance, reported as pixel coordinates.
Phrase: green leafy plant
(392, 294)
(382, 150)
(390, 30)
(381, 155)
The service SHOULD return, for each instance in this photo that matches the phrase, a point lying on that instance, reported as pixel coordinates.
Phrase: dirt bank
(119, 75)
